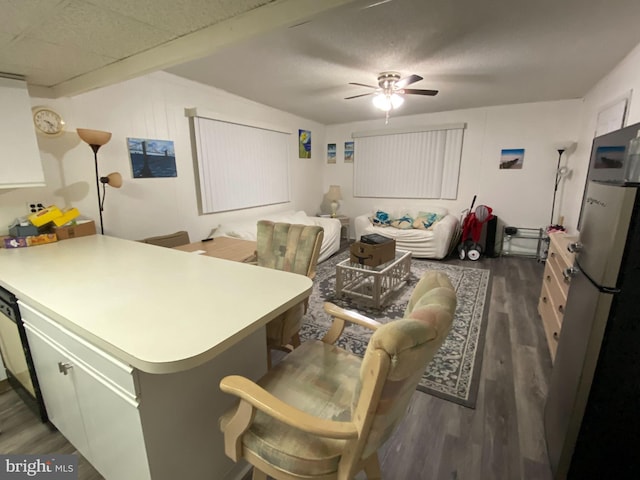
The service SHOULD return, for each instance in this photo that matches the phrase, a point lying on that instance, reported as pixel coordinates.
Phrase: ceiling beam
(278, 14)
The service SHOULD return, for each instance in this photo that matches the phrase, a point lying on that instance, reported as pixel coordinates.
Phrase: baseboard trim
(4, 386)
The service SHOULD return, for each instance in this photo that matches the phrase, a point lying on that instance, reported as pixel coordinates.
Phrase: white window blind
(240, 166)
(417, 163)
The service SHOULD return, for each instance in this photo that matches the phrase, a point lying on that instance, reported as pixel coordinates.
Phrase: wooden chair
(292, 248)
(170, 240)
(322, 413)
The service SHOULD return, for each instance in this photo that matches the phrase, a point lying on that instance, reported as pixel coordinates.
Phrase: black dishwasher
(16, 355)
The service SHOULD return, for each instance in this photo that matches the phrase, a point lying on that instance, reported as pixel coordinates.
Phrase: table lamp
(334, 196)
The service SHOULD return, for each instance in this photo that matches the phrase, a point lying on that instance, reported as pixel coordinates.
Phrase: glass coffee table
(373, 285)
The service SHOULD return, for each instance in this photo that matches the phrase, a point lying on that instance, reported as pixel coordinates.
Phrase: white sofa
(433, 242)
(248, 229)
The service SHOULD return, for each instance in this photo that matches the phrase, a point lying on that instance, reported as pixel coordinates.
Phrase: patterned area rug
(454, 372)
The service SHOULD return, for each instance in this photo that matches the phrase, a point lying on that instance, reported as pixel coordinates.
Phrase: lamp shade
(93, 137)
(114, 180)
(334, 193)
(396, 100)
(382, 102)
(564, 145)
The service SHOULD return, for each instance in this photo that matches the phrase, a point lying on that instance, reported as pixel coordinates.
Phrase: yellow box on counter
(66, 217)
(19, 242)
(77, 230)
(45, 216)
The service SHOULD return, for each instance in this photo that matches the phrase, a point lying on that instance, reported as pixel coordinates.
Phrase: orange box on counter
(19, 242)
(77, 230)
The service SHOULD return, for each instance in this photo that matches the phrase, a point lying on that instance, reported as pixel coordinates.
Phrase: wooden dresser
(555, 288)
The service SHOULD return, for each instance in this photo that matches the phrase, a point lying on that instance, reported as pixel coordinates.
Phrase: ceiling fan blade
(362, 85)
(356, 96)
(417, 91)
(403, 82)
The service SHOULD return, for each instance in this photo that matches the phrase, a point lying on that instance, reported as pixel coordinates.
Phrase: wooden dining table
(223, 247)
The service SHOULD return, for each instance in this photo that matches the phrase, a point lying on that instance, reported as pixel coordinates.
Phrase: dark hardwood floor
(502, 438)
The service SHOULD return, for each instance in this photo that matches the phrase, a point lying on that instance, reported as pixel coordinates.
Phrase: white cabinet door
(99, 417)
(20, 162)
(58, 390)
(113, 428)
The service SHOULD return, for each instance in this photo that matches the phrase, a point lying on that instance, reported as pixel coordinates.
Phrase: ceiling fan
(390, 90)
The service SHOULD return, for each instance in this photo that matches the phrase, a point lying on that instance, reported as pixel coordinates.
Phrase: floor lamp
(95, 139)
(560, 172)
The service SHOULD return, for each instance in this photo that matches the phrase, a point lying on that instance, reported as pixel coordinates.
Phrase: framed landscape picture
(331, 153)
(511, 158)
(152, 158)
(348, 152)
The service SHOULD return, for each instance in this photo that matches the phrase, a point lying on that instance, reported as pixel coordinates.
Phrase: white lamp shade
(114, 180)
(382, 102)
(334, 193)
(396, 100)
(94, 137)
(564, 145)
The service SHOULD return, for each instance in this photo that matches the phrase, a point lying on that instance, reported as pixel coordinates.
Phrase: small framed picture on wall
(348, 152)
(511, 158)
(304, 144)
(331, 153)
(152, 158)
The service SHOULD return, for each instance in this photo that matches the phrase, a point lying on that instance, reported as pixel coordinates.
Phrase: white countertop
(158, 309)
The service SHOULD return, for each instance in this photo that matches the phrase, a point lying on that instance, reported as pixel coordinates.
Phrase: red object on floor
(472, 225)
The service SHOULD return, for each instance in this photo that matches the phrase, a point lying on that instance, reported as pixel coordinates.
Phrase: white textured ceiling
(300, 55)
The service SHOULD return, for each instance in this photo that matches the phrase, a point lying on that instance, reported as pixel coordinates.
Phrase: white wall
(519, 197)
(624, 77)
(153, 106)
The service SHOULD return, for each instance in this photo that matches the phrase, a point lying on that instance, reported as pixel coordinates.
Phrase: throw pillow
(424, 220)
(404, 222)
(380, 219)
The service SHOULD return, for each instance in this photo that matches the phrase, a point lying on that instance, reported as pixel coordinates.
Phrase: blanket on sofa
(248, 229)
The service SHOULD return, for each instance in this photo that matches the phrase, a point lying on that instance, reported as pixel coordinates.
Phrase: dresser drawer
(553, 272)
(555, 297)
(551, 320)
(109, 368)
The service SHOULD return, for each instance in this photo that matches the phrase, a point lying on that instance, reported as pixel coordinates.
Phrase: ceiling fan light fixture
(382, 102)
(387, 101)
(396, 100)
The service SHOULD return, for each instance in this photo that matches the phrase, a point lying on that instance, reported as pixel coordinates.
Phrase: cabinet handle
(548, 278)
(64, 367)
(556, 335)
(552, 254)
(544, 299)
(561, 308)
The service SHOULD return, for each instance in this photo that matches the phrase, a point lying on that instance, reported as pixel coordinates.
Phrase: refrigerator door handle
(572, 271)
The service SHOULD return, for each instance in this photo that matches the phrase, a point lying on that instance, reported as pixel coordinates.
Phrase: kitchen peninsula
(130, 341)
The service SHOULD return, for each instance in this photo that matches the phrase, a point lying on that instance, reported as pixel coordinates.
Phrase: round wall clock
(48, 121)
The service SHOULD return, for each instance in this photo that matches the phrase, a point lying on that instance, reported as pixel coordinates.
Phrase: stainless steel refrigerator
(592, 413)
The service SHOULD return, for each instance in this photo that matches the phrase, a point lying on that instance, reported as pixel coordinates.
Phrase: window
(411, 163)
(239, 166)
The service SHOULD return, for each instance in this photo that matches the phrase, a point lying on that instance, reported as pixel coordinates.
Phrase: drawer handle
(544, 299)
(556, 335)
(552, 254)
(548, 277)
(64, 367)
(569, 272)
(561, 308)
